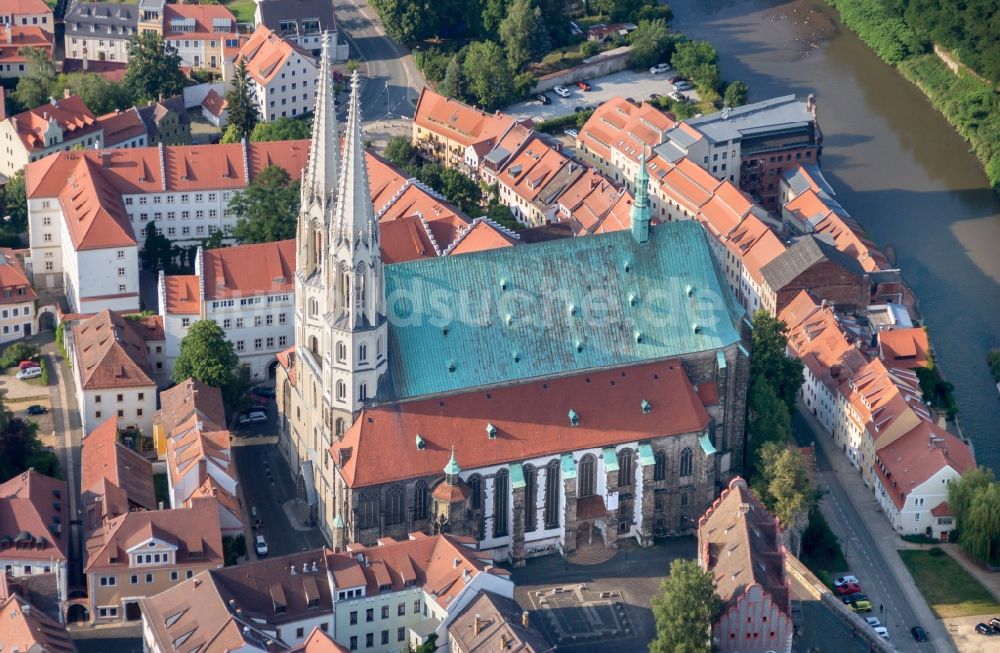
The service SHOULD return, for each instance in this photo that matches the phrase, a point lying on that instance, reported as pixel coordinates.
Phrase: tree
(489, 80)
(975, 501)
(462, 191)
(400, 151)
(650, 43)
(232, 134)
(15, 204)
(768, 420)
(784, 485)
(404, 20)
(697, 60)
(452, 85)
(685, 609)
(282, 129)
(34, 87)
(156, 253)
(523, 33)
(206, 355)
(100, 95)
(215, 240)
(769, 361)
(241, 109)
(736, 94)
(492, 15)
(153, 69)
(267, 209)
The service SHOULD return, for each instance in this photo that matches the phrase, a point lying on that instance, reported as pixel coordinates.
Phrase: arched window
(421, 501)
(341, 352)
(367, 509)
(626, 475)
(552, 482)
(586, 476)
(339, 427)
(394, 500)
(501, 502)
(476, 485)
(341, 391)
(660, 465)
(687, 462)
(314, 346)
(530, 498)
(313, 307)
(363, 391)
(378, 348)
(362, 353)
(345, 289)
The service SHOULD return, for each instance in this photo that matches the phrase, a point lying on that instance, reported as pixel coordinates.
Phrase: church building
(541, 398)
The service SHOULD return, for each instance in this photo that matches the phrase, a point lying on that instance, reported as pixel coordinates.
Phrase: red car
(848, 588)
(584, 86)
(26, 364)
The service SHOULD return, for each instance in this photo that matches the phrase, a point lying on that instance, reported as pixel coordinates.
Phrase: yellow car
(862, 605)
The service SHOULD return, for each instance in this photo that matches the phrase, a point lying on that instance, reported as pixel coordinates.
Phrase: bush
(589, 48)
(234, 548)
(821, 551)
(556, 125)
(880, 27)
(920, 538)
(16, 353)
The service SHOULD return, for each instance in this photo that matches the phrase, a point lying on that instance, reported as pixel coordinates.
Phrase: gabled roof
(70, 114)
(802, 255)
(103, 457)
(111, 353)
(94, 212)
(120, 126)
(530, 421)
(739, 543)
(626, 127)
(319, 642)
(266, 53)
(153, 113)
(22, 7)
(13, 279)
(183, 294)
(214, 103)
(247, 270)
(907, 348)
(24, 627)
(911, 460)
(37, 505)
(14, 40)
(109, 20)
(192, 398)
(458, 122)
(491, 622)
(481, 235)
(273, 12)
(197, 21)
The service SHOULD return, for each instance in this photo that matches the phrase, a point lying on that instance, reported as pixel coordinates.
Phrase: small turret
(640, 216)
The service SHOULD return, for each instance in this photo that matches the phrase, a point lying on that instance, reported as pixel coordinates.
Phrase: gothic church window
(476, 485)
(660, 466)
(341, 391)
(394, 508)
(501, 503)
(421, 501)
(341, 352)
(626, 475)
(687, 462)
(552, 494)
(368, 505)
(530, 499)
(586, 476)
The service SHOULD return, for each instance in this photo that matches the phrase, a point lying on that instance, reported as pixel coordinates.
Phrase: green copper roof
(568, 466)
(338, 521)
(516, 476)
(449, 330)
(610, 460)
(706, 444)
(452, 468)
(646, 455)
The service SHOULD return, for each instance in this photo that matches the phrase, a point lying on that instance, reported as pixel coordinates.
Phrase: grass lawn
(242, 9)
(950, 591)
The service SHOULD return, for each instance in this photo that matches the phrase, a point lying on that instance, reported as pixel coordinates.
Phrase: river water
(898, 167)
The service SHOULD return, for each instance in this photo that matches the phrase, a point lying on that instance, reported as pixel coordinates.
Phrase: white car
(572, 133)
(683, 85)
(846, 580)
(677, 96)
(882, 632)
(873, 622)
(261, 546)
(660, 68)
(561, 91)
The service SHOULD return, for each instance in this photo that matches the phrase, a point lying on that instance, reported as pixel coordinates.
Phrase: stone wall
(599, 65)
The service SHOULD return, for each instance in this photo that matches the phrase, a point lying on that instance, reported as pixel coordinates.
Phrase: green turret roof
(452, 468)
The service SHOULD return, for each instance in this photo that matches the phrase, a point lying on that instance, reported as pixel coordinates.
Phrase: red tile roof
(319, 642)
(739, 543)
(39, 506)
(457, 121)
(266, 52)
(247, 270)
(71, 114)
(111, 353)
(816, 337)
(22, 7)
(942, 509)
(407, 238)
(215, 103)
(182, 294)
(530, 419)
(907, 348)
(103, 457)
(621, 125)
(912, 459)
(481, 235)
(13, 279)
(15, 40)
(192, 398)
(204, 17)
(24, 627)
(120, 126)
(94, 212)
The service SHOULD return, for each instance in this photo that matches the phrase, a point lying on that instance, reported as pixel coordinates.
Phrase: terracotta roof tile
(120, 126)
(204, 17)
(499, 627)
(481, 235)
(621, 125)
(25, 628)
(13, 279)
(915, 457)
(906, 348)
(103, 457)
(21, 37)
(37, 505)
(248, 270)
(111, 353)
(71, 114)
(457, 121)
(215, 104)
(266, 52)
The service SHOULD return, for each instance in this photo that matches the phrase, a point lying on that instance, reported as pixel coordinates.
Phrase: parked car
(677, 96)
(654, 96)
(544, 99)
(857, 596)
(572, 133)
(848, 589)
(919, 634)
(861, 605)
(583, 86)
(675, 78)
(983, 629)
(35, 409)
(580, 108)
(259, 401)
(995, 622)
(265, 391)
(844, 580)
(660, 68)
(257, 416)
(23, 365)
(261, 546)
(561, 91)
(882, 632)
(683, 85)
(29, 373)
(243, 419)
(873, 622)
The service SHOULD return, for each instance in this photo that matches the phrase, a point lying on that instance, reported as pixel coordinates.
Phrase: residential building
(533, 179)
(167, 122)
(618, 132)
(739, 544)
(188, 402)
(812, 263)
(907, 347)
(15, 41)
(17, 299)
(491, 622)
(34, 530)
(215, 109)
(56, 126)
(602, 33)
(25, 13)
(282, 75)
(372, 395)
(141, 554)
(303, 22)
(912, 476)
(99, 31)
(114, 479)
(443, 129)
(25, 627)
(203, 34)
(248, 290)
(124, 129)
(592, 204)
(113, 371)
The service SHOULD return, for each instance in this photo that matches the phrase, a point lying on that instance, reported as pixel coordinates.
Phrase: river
(898, 167)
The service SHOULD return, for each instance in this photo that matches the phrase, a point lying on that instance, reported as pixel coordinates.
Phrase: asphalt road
(392, 82)
(864, 557)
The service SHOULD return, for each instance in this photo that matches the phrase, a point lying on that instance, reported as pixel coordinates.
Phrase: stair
(592, 554)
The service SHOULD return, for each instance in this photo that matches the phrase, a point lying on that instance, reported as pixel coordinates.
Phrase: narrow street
(869, 543)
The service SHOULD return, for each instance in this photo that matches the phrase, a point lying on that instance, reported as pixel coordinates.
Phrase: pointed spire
(355, 216)
(640, 216)
(452, 470)
(321, 173)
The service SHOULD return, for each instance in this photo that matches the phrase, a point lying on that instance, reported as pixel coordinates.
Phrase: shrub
(556, 125)
(16, 353)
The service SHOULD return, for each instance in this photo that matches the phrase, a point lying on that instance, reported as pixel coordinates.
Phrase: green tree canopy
(523, 33)
(242, 110)
(651, 43)
(975, 502)
(231, 134)
(400, 151)
(452, 85)
(488, 78)
(768, 420)
(697, 60)
(153, 68)
(684, 610)
(207, 356)
(769, 361)
(100, 95)
(35, 86)
(784, 485)
(15, 204)
(736, 94)
(462, 191)
(282, 129)
(267, 209)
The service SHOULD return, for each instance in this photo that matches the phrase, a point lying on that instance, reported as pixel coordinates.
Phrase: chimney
(477, 625)
(314, 567)
(525, 620)
(503, 642)
(305, 568)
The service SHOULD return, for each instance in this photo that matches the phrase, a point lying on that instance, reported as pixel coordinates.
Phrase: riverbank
(967, 101)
